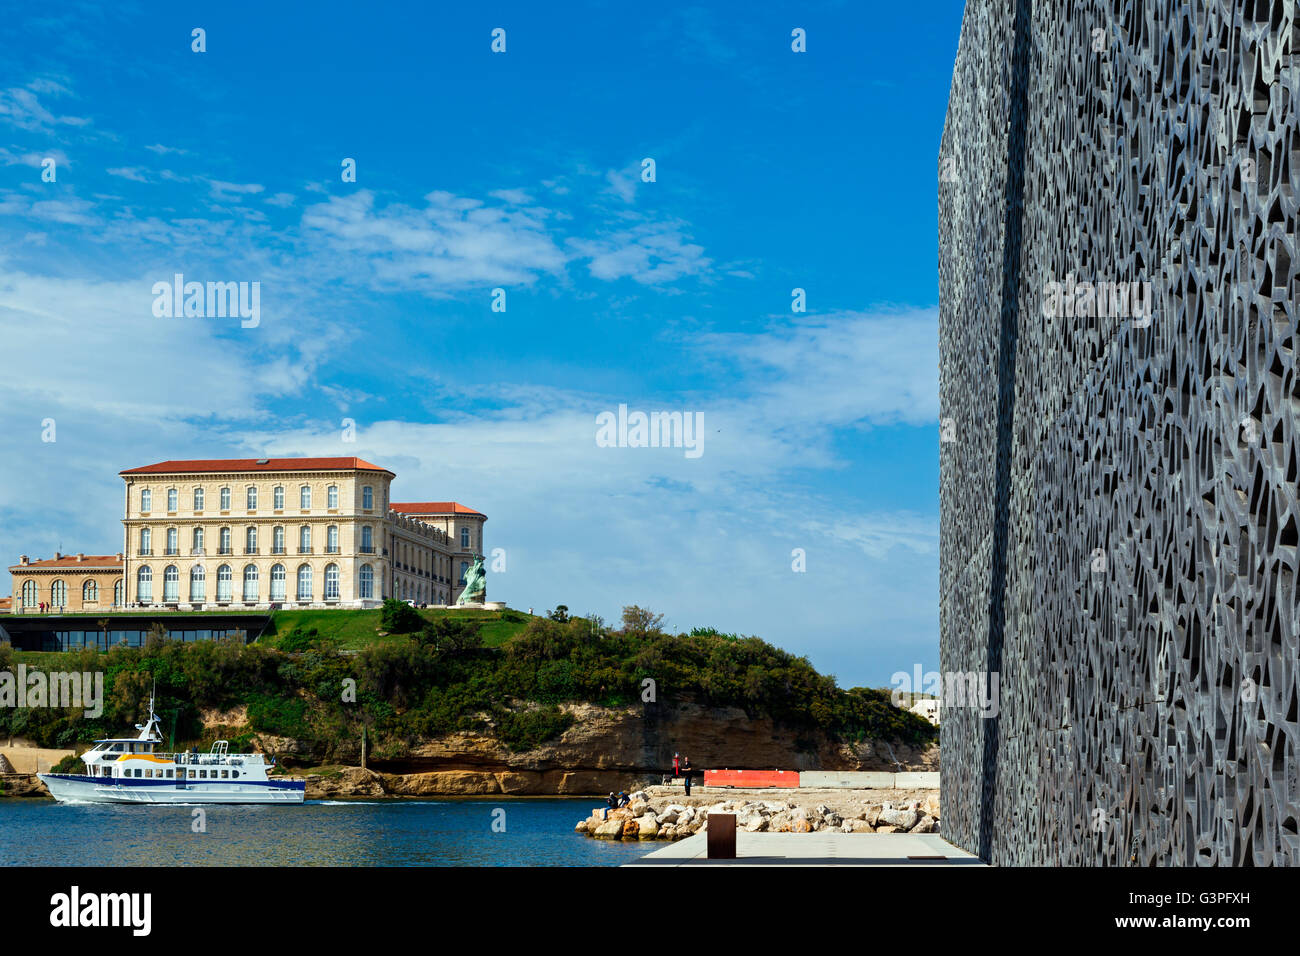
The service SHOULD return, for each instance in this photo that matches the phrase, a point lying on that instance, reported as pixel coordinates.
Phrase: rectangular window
(304, 497)
(367, 497)
(279, 497)
(225, 499)
(333, 496)
(172, 497)
(252, 499)
(146, 499)
(198, 499)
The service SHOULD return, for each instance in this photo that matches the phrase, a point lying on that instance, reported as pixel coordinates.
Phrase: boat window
(234, 773)
(225, 774)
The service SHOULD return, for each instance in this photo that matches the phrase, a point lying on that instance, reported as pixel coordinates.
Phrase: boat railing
(189, 758)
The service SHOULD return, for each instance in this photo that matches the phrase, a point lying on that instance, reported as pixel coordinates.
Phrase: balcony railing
(306, 550)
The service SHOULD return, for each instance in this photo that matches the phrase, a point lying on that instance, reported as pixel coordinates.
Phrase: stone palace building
(249, 533)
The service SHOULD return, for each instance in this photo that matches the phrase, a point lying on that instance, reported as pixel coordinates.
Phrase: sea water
(530, 831)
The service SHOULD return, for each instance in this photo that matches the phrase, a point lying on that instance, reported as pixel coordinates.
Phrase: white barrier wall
(867, 780)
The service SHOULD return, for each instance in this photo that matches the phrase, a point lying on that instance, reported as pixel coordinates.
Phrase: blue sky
(521, 171)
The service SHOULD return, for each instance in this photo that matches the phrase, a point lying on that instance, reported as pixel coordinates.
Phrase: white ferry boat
(129, 770)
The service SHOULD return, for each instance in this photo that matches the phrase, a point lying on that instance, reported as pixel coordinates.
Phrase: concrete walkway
(817, 849)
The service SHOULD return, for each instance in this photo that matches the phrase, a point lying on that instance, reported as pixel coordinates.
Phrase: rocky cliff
(605, 749)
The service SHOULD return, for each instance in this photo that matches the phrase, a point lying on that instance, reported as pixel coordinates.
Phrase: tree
(641, 622)
(561, 613)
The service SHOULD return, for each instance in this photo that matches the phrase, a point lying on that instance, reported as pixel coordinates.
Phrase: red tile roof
(90, 562)
(433, 508)
(253, 464)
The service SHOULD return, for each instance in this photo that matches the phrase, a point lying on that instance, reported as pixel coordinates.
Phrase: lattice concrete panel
(1119, 499)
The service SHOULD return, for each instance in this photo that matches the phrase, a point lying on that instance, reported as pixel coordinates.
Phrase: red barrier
(751, 778)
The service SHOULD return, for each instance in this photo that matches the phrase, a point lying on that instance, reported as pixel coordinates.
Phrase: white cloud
(651, 253)
(21, 107)
(449, 244)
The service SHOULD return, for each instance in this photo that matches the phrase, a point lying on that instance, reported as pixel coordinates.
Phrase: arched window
(250, 584)
(278, 497)
(173, 541)
(367, 588)
(304, 582)
(304, 496)
(367, 497)
(198, 542)
(171, 584)
(144, 584)
(59, 593)
(146, 499)
(117, 593)
(146, 541)
(277, 540)
(30, 596)
(250, 541)
(331, 582)
(173, 499)
(198, 584)
(224, 582)
(304, 539)
(332, 496)
(252, 497)
(90, 592)
(225, 499)
(198, 499)
(332, 539)
(464, 538)
(277, 583)
(224, 547)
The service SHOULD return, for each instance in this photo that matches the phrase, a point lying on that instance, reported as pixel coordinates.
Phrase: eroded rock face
(22, 785)
(609, 749)
(348, 782)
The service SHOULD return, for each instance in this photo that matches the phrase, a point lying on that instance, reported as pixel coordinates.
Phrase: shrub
(398, 617)
(300, 640)
(69, 764)
(525, 729)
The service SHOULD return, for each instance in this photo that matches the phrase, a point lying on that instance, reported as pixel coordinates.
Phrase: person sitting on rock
(623, 798)
(610, 803)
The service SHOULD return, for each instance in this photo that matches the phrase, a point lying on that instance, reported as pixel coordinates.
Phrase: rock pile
(641, 820)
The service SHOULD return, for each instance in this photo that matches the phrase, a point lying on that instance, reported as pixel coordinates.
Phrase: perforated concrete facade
(1119, 481)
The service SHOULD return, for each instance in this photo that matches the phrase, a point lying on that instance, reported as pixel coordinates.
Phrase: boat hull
(76, 788)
